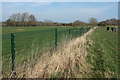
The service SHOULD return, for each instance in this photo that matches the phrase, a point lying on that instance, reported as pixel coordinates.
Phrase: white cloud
(60, 0)
(12, 5)
(94, 11)
(22, 3)
(67, 14)
(41, 4)
(84, 11)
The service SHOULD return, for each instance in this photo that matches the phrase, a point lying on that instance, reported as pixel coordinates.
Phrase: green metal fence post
(69, 32)
(55, 38)
(13, 50)
(87, 29)
(81, 31)
(76, 32)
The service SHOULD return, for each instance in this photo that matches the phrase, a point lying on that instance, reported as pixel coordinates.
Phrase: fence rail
(23, 43)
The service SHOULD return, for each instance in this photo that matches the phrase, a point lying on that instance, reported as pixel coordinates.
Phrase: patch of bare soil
(68, 61)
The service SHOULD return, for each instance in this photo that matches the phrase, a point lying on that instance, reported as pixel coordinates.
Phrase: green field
(31, 42)
(103, 53)
(35, 28)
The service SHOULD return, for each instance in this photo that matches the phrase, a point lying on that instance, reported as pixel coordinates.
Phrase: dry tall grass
(67, 62)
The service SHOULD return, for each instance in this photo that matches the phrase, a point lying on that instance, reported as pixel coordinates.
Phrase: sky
(62, 11)
(59, 0)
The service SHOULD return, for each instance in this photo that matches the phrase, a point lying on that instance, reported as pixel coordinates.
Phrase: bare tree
(78, 23)
(24, 18)
(32, 20)
(48, 22)
(9, 22)
(18, 15)
(93, 21)
(13, 19)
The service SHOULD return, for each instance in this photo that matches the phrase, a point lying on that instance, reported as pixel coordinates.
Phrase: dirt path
(65, 62)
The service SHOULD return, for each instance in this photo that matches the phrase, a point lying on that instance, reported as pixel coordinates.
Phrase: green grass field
(35, 28)
(30, 43)
(103, 53)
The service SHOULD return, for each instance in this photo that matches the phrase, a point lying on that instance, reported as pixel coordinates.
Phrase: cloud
(11, 5)
(41, 4)
(67, 15)
(81, 11)
(93, 11)
(60, 0)
(62, 12)
(18, 4)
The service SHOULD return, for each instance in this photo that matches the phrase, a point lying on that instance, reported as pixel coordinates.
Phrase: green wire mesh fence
(6, 54)
(25, 46)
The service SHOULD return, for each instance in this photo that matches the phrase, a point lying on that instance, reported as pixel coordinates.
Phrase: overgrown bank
(93, 55)
(68, 61)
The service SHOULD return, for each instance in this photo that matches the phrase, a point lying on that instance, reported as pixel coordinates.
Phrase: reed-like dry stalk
(67, 62)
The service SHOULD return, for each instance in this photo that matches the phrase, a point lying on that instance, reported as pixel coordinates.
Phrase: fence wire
(6, 54)
(31, 45)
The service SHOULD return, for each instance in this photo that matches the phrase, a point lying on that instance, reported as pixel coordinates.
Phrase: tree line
(111, 22)
(26, 19)
(23, 19)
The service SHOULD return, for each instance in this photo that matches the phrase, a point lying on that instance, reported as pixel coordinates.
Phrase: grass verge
(103, 53)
